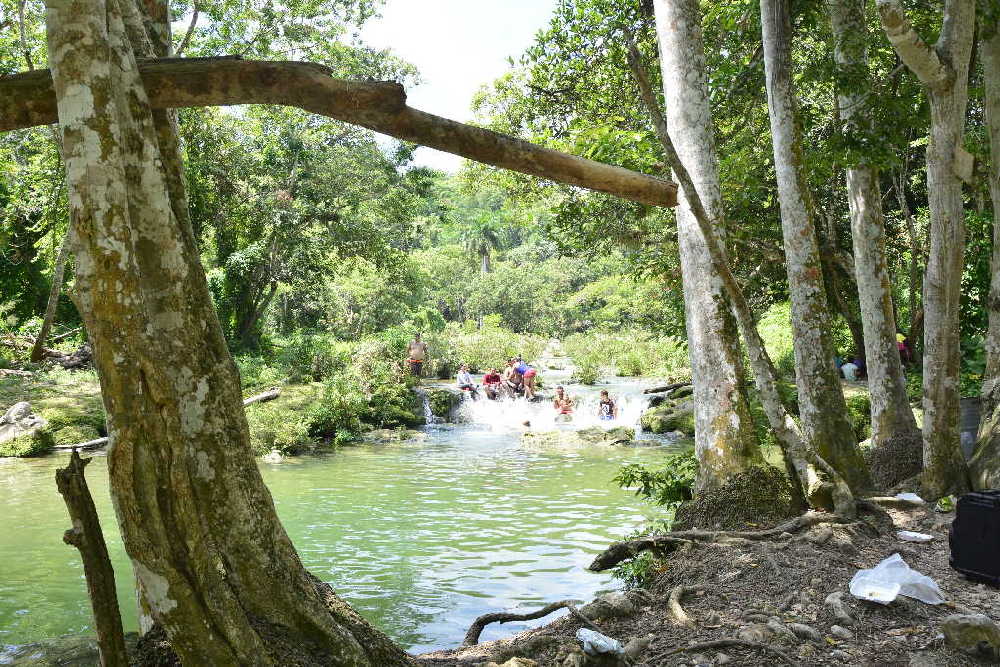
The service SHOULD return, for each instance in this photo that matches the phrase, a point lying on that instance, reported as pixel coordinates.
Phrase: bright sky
(457, 45)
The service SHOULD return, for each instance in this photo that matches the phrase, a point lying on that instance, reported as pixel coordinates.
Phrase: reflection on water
(420, 538)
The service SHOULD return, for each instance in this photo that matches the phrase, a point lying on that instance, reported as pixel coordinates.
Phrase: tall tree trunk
(944, 72)
(725, 440)
(801, 459)
(219, 573)
(985, 464)
(892, 418)
(484, 261)
(916, 253)
(58, 275)
(825, 422)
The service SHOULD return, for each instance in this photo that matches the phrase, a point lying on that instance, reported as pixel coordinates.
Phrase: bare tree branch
(27, 100)
(922, 60)
(190, 31)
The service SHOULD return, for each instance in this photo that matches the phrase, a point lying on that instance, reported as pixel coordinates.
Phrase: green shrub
(859, 407)
(629, 352)
(72, 435)
(586, 373)
(668, 484)
(631, 365)
(275, 427)
(80, 411)
(485, 348)
(36, 443)
(336, 415)
(642, 570)
(257, 372)
(312, 357)
(776, 329)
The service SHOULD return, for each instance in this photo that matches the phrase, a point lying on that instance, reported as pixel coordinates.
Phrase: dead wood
(87, 537)
(477, 627)
(27, 100)
(674, 602)
(10, 372)
(666, 387)
(621, 551)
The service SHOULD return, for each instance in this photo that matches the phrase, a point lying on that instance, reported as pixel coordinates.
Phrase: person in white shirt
(464, 381)
(850, 371)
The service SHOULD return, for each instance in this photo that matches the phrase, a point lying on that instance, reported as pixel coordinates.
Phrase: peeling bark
(944, 72)
(892, 417)
(725, 440)
(825, 422)
(216, 567)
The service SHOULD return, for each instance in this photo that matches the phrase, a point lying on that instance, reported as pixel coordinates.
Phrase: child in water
(563, 405)
(606, 409)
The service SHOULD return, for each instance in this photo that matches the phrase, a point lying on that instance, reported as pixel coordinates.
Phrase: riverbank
(723, 599)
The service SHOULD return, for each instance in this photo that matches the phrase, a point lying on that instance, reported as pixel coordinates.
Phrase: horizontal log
(268, 395)
(28, 100)
(666, 387)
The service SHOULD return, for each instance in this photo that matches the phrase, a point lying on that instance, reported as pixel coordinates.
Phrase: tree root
(669, 542)
(621, 551)
(676, 610)
(728, 643)
(478, 625)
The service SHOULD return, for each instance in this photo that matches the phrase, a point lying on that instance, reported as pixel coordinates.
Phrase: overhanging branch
(922, 60)
(28, 100)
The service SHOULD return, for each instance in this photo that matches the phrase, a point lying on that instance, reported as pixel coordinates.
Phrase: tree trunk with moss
(985, 464)
(825, 421)
(944, 72)
(218, 570)
(892, 417)
(725, 439)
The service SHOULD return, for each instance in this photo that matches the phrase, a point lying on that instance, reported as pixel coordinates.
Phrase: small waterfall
(425, 399)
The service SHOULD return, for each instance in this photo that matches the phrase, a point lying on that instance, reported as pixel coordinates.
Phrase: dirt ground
(772, 592)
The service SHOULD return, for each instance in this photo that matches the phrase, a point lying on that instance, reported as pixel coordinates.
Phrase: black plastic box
(975, 537)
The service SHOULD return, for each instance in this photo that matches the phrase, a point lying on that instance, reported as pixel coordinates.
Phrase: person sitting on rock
(491, 384)
(465, 383)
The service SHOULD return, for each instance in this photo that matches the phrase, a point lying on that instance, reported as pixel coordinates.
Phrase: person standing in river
(417, 355)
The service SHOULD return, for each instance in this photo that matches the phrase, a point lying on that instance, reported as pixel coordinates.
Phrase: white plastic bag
(911, 536)
(893, 577)
(594, 643)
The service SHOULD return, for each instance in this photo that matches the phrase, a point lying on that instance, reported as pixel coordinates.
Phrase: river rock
(758, 632)
(593, 436)
(803, 631)
(780, 630)
(443, 401)
(384, 436)
(23, 433)
(670, 417)
(835, 601)
(841, 632)
(972, 632)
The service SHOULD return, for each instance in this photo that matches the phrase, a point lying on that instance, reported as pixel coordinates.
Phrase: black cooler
(975, 537)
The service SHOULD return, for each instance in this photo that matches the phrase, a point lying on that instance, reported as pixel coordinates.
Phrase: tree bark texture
(725, 440)
(825, 422)
(801, 459)
(27, 100)
(944, 72)
(984, 467)
(891, 414)
(58, 274)
(215, 565)
(87, 536)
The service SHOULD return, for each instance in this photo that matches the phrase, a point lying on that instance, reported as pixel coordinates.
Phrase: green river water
(421, 538)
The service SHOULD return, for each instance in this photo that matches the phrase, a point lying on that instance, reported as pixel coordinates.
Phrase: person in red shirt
(491, 383)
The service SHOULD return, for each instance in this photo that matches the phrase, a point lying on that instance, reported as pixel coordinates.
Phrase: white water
(508, 415)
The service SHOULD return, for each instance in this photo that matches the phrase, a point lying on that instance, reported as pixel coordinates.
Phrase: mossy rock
(72, 435)
(443, 402)
(681, 392)
(586, 437)
(35, 443)
(667, 418)
(759, 496)
(384, 436)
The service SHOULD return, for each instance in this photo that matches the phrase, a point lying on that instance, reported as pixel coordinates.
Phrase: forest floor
(775, 592)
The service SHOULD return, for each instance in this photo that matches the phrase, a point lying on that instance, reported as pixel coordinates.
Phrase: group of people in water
(516, 379)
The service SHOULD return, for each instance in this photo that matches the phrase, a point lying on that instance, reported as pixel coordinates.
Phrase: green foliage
(482, 348)
(628, 352)
(276, 428)
(859, 407)
(74, 435)
(973, 366)
(37, 443)
(640, 571)
(586, 372)
(668, 484)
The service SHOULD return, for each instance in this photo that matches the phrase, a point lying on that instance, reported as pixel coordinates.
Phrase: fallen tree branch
(674, 603)
(11, 372)
(87, 537)
(732, 643)
(666, 387)
(263, 397)
(28, 100)
(623, 551)
(65, 334)
(478, 625)
(268, 395)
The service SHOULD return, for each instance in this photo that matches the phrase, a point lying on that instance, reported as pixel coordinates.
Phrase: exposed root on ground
(667, 543)
(478, 625)
(731, 643)
(676, 610)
